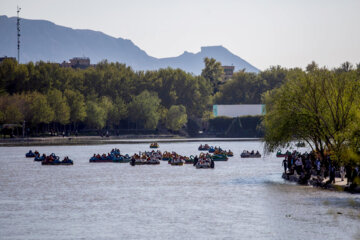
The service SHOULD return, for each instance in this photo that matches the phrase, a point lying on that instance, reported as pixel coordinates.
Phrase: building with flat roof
(239, 110)
(77, 62)
(228, 72)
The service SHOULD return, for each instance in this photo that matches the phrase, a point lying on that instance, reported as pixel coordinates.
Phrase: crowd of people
(310, 164)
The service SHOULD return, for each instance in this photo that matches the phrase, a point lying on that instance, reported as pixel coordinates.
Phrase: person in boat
(257, 153)
(252, 152)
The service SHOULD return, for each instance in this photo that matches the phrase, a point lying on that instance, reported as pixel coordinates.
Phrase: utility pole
(18, 33)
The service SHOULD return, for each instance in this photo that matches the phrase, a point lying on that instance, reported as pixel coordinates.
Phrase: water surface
(239, 199)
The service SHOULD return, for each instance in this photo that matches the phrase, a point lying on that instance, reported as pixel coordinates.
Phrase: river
(239, 199)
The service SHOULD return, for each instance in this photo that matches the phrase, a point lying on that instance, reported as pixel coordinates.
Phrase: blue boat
(121, 159)
(30, 154)
(39, 159)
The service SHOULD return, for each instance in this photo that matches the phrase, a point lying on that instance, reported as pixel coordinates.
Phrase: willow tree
(319, 106)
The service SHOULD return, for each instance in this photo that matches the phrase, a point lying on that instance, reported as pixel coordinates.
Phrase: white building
(239, 110)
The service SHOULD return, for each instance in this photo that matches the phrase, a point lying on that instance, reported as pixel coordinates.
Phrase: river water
(239, 199)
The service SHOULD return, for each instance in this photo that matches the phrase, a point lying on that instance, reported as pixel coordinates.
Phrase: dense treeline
(113, 96)
(247, 88)
(100, 96)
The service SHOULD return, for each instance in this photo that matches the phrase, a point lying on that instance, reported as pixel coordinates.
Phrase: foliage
(319, 106)
(77, 105)
(176, 117)
(247, 88)
(112, 95)
(40, 109)
(118, 112)
(144, 109)
(212, 72)
(96, 115)
(58, 103)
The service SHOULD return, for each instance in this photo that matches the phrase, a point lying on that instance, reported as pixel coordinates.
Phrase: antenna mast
(18, 33)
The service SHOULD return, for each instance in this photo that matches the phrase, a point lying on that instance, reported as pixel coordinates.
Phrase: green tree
(40, 109)
(319, 107)
(108, 107)
(119, 112)
(13, 108)
(77, 106)
(58, 103)
(213, 72)
(96, 115)
(243, 88)
(7, 75)
(144, 108)
(176, 117)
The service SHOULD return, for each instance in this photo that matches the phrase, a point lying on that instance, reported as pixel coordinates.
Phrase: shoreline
(339, 185)
(97, 140)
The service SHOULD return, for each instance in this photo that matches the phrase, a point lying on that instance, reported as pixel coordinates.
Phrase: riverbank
(95, 140)
(321, 182)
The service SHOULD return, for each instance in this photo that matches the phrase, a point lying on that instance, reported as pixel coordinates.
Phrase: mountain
(44, 40)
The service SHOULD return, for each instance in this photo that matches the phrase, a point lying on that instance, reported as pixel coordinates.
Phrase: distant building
(77, 62)
(5, 57)
(238, 110)
(228, 72)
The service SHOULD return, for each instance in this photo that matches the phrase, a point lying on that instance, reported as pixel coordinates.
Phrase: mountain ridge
(47, 41)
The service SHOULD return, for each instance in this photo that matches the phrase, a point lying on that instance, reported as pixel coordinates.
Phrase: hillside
(44, 40)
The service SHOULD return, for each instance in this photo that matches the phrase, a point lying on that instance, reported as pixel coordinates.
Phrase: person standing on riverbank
(318, 166)
(298, 165)
(342, 172)
(284, 163)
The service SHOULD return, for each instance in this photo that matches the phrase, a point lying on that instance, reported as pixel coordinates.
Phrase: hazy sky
(290, 33)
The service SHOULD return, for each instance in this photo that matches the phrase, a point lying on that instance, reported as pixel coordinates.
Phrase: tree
(7, 75)
(77, 106)
(59, 105)
(319, 107)
(108, 107)
(212, 72)
(242, 88)
(119, 112)
(40, 109)
(144, 108)
(13, 108)
(176, 117)
(96, 115)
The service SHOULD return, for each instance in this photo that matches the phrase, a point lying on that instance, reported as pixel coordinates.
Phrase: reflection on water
(239, 199)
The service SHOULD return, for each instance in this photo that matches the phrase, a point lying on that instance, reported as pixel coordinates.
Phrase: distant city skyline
(289, 33)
